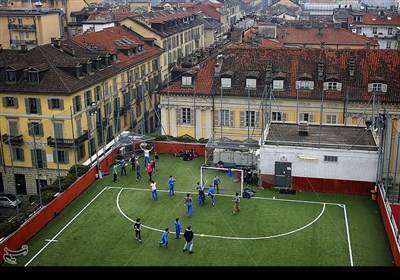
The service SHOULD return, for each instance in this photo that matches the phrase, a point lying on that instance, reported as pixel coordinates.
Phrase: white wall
(351, 165)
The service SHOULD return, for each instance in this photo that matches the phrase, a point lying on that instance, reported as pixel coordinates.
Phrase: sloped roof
(294, 63)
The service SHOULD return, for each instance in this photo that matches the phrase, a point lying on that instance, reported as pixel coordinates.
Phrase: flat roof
(328, 136)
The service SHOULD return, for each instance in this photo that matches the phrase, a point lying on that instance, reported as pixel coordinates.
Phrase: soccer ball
(143, 145)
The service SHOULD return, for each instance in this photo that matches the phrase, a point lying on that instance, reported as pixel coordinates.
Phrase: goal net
(230, 179)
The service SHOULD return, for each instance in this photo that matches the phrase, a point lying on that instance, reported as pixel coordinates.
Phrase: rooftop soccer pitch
(271, 229)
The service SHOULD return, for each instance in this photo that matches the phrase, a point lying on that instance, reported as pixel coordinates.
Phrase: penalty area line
(49, 241)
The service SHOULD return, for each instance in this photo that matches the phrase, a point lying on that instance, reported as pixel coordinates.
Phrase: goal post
(231, 179)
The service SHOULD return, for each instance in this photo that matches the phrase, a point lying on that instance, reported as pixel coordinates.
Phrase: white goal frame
(223, 169)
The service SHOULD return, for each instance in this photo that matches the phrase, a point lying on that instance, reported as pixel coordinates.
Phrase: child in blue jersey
(211, 191)
(178, 228)
(171, 183)
(164, 238)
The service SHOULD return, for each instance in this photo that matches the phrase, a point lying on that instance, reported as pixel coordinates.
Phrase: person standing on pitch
(138, 228)
(115, 172)
(146, 153)
(171, 183)
(216, 182)
(210, 193)
(154, 194)
(138, 175)
(189, 204)
(236, 202)
(164, 238)
(178, 228)
(189, 239)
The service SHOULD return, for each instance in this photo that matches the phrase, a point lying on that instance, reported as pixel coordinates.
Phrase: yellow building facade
(55, 115)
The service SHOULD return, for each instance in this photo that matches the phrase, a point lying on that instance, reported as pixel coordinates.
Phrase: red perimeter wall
(37, 222)
(322, 185)
(388, 228)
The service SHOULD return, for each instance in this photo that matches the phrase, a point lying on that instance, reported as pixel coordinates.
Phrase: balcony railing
(67, 143)
(15, 140)
(21, 26)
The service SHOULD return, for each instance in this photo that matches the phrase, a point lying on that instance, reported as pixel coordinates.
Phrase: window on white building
(186, 81)
(331, 119)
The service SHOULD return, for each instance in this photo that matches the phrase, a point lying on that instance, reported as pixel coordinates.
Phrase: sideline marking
(55, 236)
(51, 240)
(226, 237)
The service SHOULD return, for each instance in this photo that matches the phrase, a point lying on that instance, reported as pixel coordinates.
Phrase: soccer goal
(231, 179)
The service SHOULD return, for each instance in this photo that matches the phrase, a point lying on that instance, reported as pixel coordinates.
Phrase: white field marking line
(267, 198)
(348, 235)
(55, 236)
(51, 240)
(228, 237)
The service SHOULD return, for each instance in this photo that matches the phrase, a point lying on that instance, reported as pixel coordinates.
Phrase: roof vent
(303, 128)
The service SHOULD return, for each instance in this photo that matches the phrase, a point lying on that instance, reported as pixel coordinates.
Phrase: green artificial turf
(285, 231)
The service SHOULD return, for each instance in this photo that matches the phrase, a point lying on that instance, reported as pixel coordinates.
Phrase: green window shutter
(39, 106)
(55, 156)
(66, 157)
(27, 108)
(4, 101)
(33, 157)
(179, 116)
(61, 104)
(30, 129)
(44, 158)
(232, 118)
(257, 122)
(49, 103)
(216, 118)
(242, 119)
(22, 154)
(15, 102)
(41, 129)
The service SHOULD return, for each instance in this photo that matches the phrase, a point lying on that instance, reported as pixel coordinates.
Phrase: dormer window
(79, 72)
(33, 77)
(114, 57)
(140, 48)
(377, 87)
(89, 68)
(11, 76)
(187, 81)
(278, 84)
(251, 83)
(106, 61)
(226, 82)
(305, 85)
(97, 64)
(332, 83)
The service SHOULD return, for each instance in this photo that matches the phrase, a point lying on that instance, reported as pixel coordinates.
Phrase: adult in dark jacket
(189, 239)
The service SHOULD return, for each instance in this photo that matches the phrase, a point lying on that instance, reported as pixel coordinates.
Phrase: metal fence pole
(37, 164)
(73, 142)
(58, 162)
(13, 173)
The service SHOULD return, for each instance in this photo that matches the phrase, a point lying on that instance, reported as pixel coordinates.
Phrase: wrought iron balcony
(15, 140)
(67, 143)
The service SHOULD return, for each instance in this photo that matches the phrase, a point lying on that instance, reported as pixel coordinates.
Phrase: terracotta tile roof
(208, 10)
(160, 18)
(118, 38)
(375, 19)
(203, 80)
(56, 80)
(296, 63)
(331, 36)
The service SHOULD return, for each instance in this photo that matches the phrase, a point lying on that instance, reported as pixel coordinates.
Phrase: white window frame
(251, 83)
(305, 85)
(186, 80)
(226, 82)
(331, 118)
(225, 118)
(278, 84)
(278, 117)
(306, 117)
(250, 118)
(186, 116)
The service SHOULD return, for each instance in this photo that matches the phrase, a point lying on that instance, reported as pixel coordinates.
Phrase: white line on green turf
(55, 236)
(51, 240)
(225, 237)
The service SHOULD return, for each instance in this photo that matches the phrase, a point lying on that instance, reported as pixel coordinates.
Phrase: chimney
(24, 48)
(322, 45)
(283, 33)
(368, 45)
(56, 42)
(319, 35)
(217, 70)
